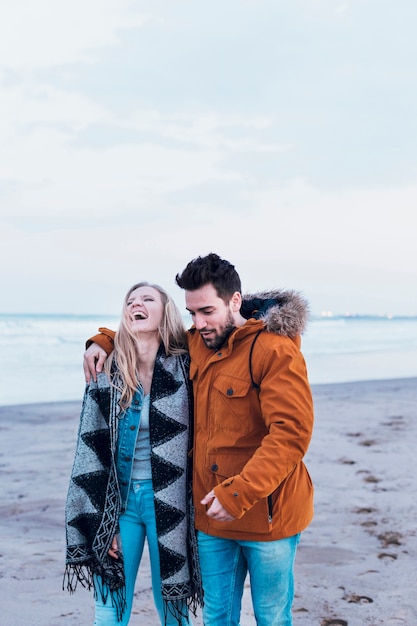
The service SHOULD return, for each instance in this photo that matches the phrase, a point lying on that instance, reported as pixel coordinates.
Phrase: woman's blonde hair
(126, 352)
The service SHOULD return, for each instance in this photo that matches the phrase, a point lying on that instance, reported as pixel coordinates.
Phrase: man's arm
(287, 410)
(98, 349)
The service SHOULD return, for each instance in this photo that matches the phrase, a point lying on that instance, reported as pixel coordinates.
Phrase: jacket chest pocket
(230, 404)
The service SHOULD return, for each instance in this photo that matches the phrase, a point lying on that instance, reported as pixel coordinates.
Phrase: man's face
(211, 316)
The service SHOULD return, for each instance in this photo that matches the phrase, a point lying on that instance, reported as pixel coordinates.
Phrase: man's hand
(216, 510)
(94, 358)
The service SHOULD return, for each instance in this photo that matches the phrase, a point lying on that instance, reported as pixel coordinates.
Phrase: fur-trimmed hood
(283, 312)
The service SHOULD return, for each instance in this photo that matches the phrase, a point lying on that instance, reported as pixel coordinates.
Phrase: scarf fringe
(180, 609)
(76, 573)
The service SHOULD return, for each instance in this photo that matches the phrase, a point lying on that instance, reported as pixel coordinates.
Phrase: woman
(131, 472)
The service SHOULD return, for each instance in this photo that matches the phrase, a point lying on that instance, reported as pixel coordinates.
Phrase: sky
(137, 135)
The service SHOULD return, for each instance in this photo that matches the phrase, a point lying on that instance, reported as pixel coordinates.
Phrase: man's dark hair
(210, 269)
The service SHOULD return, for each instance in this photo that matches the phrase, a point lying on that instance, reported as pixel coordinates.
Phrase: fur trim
(284, 312)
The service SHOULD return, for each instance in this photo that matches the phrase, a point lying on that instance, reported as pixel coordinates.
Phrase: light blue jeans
(136, 523)
(224, 565)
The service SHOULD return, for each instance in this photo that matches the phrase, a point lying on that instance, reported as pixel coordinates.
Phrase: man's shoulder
(269, 341)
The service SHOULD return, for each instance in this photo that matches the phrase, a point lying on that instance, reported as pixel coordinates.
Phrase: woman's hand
(114, 550)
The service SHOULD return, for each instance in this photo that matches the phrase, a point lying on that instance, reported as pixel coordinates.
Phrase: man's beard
(218, 340)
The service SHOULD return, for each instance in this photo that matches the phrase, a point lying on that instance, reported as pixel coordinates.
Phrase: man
(253, 422)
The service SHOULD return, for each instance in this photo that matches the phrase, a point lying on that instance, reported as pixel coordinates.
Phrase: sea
(41, 355)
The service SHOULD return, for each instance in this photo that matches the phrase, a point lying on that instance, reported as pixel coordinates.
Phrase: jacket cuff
(105, 339)
(232, 498)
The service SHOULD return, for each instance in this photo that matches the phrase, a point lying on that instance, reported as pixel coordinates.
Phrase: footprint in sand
(387, 555)
(371, 479)
(390, 538)
(333, 622)
(369, 523)
(368, 442)
(358, 599)
(396, 422)
(360, 510)
(345, 461)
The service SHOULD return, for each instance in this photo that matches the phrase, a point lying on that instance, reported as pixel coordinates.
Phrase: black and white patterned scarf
(94, 503)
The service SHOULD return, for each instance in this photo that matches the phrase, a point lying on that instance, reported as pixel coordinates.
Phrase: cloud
(136, 135)
(250, 92)
(49, 34)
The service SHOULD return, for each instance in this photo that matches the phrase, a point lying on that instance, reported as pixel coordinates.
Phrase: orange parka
(253, 421)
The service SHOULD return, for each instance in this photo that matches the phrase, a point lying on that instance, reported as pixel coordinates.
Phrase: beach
(355, 563)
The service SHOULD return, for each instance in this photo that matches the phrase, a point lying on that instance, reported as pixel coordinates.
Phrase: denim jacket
(129, 422)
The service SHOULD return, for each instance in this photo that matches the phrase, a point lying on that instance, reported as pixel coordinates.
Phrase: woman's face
(144, 310)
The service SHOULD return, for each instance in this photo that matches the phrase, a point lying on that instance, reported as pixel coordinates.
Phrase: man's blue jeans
(136, 523)
(224, 565)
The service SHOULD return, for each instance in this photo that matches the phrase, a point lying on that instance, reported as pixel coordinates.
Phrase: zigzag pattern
(169, 444)
(93, 500)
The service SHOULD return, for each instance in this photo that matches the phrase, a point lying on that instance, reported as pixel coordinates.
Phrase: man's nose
(200, 322)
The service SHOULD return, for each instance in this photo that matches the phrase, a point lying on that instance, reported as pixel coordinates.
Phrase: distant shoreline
(316, 317)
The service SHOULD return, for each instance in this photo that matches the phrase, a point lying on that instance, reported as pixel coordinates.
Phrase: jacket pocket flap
(226, 466)
(231, 387)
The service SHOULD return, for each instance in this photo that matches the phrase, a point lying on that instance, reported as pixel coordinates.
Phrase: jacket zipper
(270, 508)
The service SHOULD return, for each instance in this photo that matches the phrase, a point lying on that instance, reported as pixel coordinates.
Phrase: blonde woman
(131, 474)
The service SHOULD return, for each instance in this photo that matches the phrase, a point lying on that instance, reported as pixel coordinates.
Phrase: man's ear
(236, 301)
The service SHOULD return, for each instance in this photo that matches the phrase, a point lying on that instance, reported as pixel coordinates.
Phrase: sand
(356, 562)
